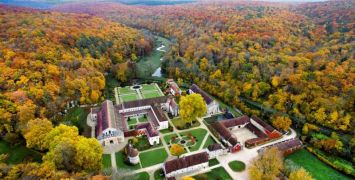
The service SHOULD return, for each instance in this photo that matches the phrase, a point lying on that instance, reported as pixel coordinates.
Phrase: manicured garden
(143, 119)
(151, 94)
(198, 134)
(237, 166)
(142, 143)
(132, 121)
(125, 90)
(209, 141)
(106, 161)
(129, 97)
(215, 173)
(314, 166)
(153, 157)
(18, 153)
(159, 174)
(181, 125)
(213, 162)
(122, 162)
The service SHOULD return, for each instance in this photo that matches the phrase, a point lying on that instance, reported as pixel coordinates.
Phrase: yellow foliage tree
(177, 150)
(267, 166)
(282, 122)
(36, 133)
(300, 174)
(191, 107)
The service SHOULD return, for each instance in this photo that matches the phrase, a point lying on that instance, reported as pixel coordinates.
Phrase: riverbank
(148, 65)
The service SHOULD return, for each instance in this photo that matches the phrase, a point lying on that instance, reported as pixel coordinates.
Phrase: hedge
(340, 165)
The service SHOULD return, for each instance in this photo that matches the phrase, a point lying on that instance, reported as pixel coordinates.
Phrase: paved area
(243, 134)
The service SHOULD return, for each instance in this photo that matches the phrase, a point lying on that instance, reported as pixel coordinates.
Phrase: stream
(151, 65)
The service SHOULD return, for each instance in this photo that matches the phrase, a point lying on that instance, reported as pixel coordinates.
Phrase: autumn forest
(288, 63)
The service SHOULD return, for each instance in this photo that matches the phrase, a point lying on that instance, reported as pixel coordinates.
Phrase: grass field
(143, 119)
(153, 157)
(215, 173)
(199, 134)
(132, 121)
(19, 153)
(148, 87)
(126, 90)
(77, 117)
(129, 97)
(315, 167)
(120, 161)
(181, 125)
(151, 94)
(167, 138)
(138, 176)
(213, 162)
(157, 175)
(209, 141)
(106, 161)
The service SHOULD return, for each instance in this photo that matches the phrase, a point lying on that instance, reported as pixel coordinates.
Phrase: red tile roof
(184, 162)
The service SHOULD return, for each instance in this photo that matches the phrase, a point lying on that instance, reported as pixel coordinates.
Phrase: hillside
(295, 59)
(48, 59)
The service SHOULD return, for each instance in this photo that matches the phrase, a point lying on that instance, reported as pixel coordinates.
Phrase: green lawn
(237, 166)
(132, 121)
(154, 157)
(199, 134)
(143, 144)
(315, 167)
(106, 161)
(151, 94)
(165, 131)
(213, 162)
(215, 173)
(148, 87)
(19, 153)
(125, 90)
(138, 176)
(167, 138)
(181, 125)
(77, 117)
(209, 141)
(157, 175)
(143, 119)
(120, 161)
(129, 97)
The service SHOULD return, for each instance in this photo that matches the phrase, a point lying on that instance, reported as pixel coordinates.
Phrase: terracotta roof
(225, 133)
(285, 145)
(205, 96)
(236, 121)
(150, 129)
(263, 123)
(184, 162)
(132, 152)
(106, 117)
(143, 102)
(256, 131)
(214, 147)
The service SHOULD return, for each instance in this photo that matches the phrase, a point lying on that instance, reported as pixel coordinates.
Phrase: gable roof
(106, 117)
(184, 162)
(205, 96)
(214, 147)
(142, 102)
(263, 124)
(236, 121)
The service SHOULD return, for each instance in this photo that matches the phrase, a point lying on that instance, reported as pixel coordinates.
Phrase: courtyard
(243, 134)
(136, 92)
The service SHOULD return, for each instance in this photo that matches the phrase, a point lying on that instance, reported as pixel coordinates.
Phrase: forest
(48, 59)
(296, 59)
